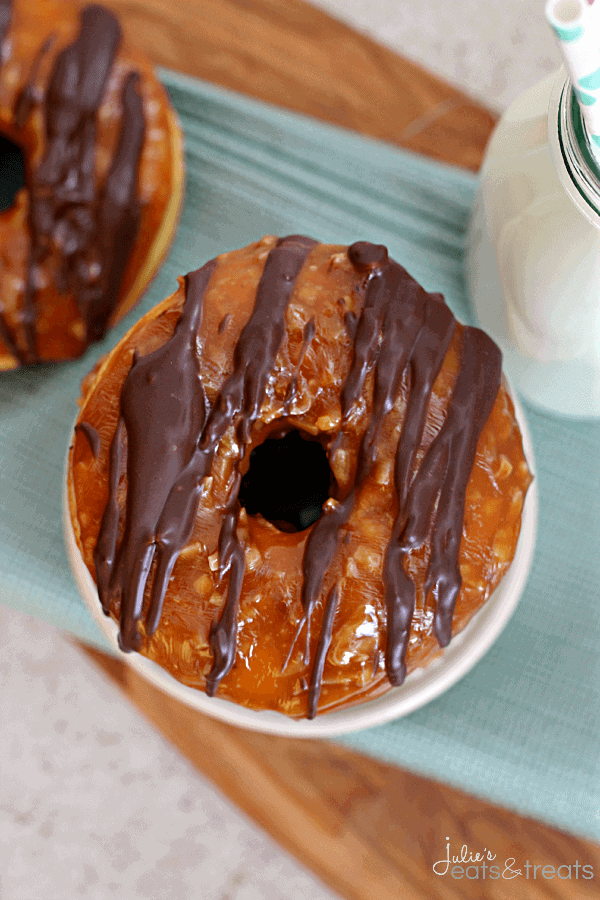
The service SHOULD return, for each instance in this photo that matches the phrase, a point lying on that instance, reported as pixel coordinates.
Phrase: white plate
(420, 686)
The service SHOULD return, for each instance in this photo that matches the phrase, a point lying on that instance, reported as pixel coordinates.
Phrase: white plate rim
(420, 687)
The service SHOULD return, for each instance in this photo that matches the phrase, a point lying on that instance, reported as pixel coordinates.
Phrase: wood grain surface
(293, 55)
(371, 831)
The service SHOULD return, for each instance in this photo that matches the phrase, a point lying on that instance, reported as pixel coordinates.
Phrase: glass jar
(533, 250)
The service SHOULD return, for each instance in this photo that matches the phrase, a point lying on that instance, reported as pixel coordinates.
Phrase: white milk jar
(533, 252)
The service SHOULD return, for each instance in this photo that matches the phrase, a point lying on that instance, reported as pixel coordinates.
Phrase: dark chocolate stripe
(399, 324)
(425, 364)
(163, 409)
(382, 284)
(474, 395)
(73, 96)
(350, 322)
(94, 231)
(316, 676)
(427, 359)
(91, 435)
(319, 551)
(444, 473)
(26, 99)
(118, 215)
(106, 545)
(63, 190)
(259, 342)
(381, 287)
(371, 260)
(166, 465)
(6, 333)
(244, 392)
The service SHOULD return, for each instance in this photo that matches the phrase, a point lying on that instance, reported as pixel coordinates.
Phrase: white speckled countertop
(78, 766)
(492, 51)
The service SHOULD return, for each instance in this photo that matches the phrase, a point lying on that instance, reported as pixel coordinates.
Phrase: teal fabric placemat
(523, 728)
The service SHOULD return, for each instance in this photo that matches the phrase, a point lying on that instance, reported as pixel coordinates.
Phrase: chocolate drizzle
(164, 388)
(316, 675)
(402, 335)
(166, 470)
(443, 475)
(27, 98)
(118, 219)
(93, 230)
(5, 20)
(92, 437)
(415, 328)
(244, 392)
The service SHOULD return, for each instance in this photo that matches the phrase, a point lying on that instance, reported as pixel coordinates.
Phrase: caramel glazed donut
(341, 350)
(104, 178)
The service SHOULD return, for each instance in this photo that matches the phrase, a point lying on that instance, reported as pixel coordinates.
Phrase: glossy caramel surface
(327, 289)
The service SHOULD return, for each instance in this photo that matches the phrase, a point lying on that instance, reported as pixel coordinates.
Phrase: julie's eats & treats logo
(484, 864)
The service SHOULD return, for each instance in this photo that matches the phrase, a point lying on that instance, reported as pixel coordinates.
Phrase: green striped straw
(576, 24)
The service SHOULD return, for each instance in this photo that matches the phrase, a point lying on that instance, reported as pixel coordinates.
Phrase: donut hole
(12, 172)
(288, 480)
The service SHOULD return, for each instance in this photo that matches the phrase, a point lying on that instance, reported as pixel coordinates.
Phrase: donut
(295, 478)
(102, 153)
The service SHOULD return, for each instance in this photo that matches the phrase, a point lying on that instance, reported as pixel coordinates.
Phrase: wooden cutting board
(371, 831)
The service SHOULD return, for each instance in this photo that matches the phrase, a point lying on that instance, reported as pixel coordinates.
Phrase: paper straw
(576, 24)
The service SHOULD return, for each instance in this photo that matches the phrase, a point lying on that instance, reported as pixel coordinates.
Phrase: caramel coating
(327, 289)
(60, 328)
